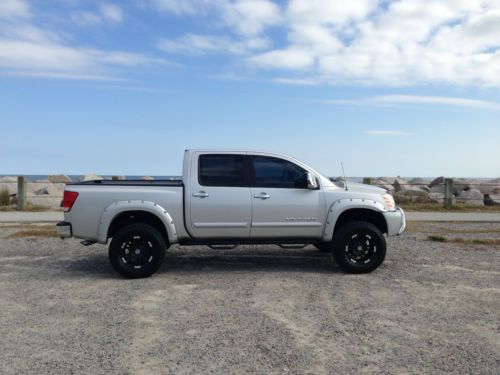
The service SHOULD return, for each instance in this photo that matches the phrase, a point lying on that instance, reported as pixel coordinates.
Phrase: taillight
(69, 199)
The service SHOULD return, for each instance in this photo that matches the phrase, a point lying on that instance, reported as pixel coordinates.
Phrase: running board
(292, 246)
(87, 242)
(223, 247)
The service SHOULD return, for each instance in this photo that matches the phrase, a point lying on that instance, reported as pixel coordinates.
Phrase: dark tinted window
(221, 170)
(274, 172)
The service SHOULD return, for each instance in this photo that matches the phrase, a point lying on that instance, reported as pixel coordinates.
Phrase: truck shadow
(246, 261)
(204, 261)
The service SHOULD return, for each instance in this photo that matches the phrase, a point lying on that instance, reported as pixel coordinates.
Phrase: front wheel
(137, 250)
(359, 247)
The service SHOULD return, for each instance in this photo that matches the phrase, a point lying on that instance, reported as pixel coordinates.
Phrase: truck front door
(282, 207)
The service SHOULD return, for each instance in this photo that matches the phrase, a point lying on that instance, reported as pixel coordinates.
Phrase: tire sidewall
(341, 239)
(157, 251)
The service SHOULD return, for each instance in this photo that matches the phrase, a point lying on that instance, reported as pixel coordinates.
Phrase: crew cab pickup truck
(227, 198)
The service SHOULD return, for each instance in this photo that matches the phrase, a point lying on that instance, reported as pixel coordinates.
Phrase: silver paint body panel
(205, 212)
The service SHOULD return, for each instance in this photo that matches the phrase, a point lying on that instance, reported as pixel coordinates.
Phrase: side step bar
(233, 246)
(292, 246)
(223, 247)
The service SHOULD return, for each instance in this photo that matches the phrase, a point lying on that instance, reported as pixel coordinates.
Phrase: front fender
(118, 207)
(342, 205)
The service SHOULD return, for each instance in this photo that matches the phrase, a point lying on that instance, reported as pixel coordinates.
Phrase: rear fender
(342, 205)
(118, 207)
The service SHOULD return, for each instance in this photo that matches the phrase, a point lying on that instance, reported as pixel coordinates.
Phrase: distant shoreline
(76, 177)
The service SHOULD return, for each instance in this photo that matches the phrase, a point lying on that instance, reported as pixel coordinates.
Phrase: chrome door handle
(262, 195)
(200, 194)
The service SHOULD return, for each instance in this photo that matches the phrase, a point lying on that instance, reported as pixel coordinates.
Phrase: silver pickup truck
(227, 198)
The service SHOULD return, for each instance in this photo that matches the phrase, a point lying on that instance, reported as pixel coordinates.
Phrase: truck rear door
(218, 203)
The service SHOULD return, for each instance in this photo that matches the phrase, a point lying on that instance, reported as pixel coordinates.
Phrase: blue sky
(404, 87)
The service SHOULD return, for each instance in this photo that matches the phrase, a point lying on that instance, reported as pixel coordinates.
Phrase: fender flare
(340, 206)
(118, 207)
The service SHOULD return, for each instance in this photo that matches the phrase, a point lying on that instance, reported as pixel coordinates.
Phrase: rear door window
(221, 170)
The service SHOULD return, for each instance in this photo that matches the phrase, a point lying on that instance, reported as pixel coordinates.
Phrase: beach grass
(4, 198)
(438, 207)
(29, 208)
(29, 231)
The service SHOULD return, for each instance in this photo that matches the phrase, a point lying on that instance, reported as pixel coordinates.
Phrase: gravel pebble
(431, 308)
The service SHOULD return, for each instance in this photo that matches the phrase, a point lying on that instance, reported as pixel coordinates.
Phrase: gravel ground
(431, 308)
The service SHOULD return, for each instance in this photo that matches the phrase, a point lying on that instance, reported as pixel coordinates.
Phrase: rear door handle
(262, 195)
(200, 194)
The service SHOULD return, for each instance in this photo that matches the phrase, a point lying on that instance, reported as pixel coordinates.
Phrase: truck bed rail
(130, 182)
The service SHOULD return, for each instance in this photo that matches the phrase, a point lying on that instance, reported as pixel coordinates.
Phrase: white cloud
(111, 12)
(86, 18)
(56, 59)
(402, 43)
(195, 44)
(107, 13)
(296, 81)
(418, 100)
(329, 12)
(251, 17)
(293, 58)
(244, 17)
(437, 100)
(177, 7)
(28, 50)
(387, 133)
(364, 42)
(14, 8)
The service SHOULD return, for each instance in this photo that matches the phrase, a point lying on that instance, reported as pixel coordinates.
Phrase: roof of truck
(237, 151)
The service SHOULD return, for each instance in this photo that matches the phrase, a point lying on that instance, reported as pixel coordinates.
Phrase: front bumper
(396, 222)
(64, 229)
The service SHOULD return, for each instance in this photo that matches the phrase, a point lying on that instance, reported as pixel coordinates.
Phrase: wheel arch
(348, 210)
(121, 213)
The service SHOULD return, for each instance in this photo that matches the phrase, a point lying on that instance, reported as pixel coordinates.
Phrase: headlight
(389, 202)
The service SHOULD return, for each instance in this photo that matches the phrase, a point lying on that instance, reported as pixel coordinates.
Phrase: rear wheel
(359, 247)
(137, 250)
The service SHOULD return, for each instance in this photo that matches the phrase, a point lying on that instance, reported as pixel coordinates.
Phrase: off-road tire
(359, 247)
(137, 250)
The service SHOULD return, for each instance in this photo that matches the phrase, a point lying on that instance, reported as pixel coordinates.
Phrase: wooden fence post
(21, 193)
(367, 180)
(448, 193)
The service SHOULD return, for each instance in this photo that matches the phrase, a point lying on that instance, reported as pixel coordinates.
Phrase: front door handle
(262, 195)
(200, 194)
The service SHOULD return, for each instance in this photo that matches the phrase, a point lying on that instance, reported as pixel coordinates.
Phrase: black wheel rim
(361, 248)
(136, 251)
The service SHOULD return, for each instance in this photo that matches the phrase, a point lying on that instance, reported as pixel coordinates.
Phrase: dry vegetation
(29, 207)
(30, 230)
(4, 198)
(446, 232)
(458, 207)
(465, 241)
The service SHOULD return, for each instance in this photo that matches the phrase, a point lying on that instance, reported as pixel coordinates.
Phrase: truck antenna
(343, 173)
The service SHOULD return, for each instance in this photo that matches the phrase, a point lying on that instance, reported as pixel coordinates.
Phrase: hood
(362, 188)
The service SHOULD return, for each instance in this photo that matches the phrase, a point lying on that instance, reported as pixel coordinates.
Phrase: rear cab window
(221, 170)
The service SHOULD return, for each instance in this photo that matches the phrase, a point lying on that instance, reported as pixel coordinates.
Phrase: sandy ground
(431, 308)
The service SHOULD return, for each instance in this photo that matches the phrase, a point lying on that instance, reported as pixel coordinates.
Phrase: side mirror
(312, 183)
